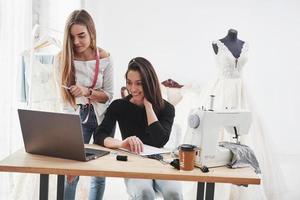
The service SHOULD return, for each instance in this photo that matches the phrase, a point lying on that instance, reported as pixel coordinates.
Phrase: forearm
(98, 96)
(112, 143)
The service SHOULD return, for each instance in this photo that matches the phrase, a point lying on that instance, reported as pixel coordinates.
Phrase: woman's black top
(132, 120)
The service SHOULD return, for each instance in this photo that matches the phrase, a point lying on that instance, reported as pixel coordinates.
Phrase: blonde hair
(66, 56)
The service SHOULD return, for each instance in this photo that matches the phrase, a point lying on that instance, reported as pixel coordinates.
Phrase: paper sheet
(150, 150)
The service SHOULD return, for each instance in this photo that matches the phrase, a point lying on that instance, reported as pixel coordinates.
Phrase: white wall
(176, 37)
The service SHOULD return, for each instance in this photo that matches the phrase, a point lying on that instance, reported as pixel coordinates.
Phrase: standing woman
(144, 117)
(86, 80)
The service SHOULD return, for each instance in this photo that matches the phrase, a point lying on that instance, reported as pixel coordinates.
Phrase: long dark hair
(150, 83)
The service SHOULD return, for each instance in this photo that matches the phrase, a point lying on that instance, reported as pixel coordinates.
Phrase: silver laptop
(55, 134)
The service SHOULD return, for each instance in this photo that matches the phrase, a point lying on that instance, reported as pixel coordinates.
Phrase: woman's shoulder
(119, 102)
(103, 53)
(168, 107)
(167, 112)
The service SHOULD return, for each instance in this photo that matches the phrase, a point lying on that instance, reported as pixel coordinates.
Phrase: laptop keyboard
(89, 154)
(94, 153)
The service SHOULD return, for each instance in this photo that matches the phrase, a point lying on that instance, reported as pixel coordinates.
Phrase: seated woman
(143, 118)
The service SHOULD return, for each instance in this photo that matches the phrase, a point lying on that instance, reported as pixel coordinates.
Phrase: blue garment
(97, 183)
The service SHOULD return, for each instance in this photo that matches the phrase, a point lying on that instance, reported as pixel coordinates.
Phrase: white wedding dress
(230, 92)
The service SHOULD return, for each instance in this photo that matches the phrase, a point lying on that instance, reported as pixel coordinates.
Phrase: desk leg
(44, 186)
(209, 191)
(200, 191)
(60, 187)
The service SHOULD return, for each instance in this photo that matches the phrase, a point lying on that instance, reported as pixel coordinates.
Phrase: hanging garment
(40, 93)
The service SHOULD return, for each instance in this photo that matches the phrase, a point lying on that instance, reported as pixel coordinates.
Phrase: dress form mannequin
(230, 91)
(231, 41)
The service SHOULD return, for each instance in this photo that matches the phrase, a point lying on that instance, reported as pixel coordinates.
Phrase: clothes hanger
(46, 39)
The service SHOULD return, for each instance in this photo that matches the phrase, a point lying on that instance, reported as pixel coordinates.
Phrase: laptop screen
(52, 134)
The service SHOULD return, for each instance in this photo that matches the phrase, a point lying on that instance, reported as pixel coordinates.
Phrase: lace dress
(230, 92)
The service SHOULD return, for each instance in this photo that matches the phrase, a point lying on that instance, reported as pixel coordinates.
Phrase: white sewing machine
(204, 128)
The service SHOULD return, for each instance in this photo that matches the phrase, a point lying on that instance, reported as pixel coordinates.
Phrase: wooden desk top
(135, 167)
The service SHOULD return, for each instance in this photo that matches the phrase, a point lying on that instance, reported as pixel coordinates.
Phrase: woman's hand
(147, 103)
(134, 144)
(78, 90)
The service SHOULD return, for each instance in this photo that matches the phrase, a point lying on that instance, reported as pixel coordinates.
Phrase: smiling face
(135, 87)
(80, 37)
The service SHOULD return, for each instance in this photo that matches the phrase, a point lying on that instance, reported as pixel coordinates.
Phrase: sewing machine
(205, 128)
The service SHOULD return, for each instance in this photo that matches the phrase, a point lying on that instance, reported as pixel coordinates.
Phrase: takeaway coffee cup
(187, 154)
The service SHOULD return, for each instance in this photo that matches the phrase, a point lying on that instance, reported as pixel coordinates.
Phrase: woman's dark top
(132, 120)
